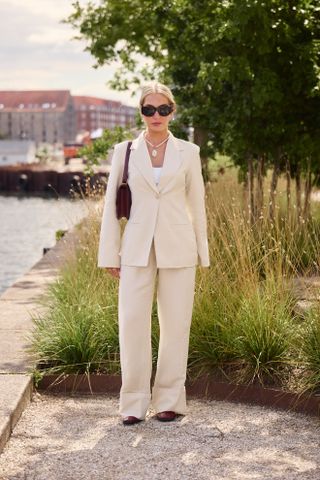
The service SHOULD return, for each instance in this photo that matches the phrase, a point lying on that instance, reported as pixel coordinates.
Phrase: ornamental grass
(244, 325)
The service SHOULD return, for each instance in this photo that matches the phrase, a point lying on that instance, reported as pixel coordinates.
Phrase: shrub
(310, 350)
(265, 333)
(78, 331)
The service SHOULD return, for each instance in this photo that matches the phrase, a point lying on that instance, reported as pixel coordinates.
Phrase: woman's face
(156, 123)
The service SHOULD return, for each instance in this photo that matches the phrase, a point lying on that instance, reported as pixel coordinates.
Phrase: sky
(37, 52)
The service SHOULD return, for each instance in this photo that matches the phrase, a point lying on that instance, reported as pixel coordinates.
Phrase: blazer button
(157, 195)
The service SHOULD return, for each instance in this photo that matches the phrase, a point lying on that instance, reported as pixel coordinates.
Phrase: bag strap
(126, 164)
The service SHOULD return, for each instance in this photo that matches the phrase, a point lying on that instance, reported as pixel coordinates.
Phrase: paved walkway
(68, 438)
(17, 304)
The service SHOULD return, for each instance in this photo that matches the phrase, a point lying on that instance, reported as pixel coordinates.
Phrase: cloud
(55, 9)
(39, 52)
(50, 36)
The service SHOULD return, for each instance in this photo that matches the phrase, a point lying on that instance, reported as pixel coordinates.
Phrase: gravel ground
(68, 438)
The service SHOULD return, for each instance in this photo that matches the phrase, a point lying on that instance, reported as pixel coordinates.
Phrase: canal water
(27, 225)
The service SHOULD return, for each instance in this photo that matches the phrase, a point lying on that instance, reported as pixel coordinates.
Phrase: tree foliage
(245, 73)
(97, 151)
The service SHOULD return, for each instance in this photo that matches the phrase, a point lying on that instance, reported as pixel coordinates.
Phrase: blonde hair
(156, 87)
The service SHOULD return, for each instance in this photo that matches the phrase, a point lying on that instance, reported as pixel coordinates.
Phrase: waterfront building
(44, 116)
(56, 116)
(93, 113)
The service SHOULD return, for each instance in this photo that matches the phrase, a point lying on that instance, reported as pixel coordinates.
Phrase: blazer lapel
(141, 159)
(172, 161)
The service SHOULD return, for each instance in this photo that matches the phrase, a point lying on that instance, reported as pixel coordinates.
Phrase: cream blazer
(172, 212)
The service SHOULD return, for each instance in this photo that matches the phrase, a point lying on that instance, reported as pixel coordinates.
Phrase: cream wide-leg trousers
(175, 294)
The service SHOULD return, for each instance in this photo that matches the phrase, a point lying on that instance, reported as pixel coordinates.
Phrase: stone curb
(16, 401)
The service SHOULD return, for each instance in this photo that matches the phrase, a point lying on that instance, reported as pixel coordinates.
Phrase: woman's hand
(115, 272)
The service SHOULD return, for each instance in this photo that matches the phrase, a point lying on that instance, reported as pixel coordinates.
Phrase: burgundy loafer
(166, 416)
(130, 420)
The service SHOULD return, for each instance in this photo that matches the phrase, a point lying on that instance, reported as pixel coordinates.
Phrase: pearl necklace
(154, 152)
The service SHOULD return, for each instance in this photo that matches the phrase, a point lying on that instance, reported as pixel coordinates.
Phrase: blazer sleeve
(195, 195)
(110, 236)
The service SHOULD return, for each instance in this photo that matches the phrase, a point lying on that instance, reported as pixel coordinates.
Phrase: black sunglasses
(163, 110)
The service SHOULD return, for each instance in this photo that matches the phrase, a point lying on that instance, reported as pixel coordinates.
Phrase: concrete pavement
(81, 437)
(17, 304)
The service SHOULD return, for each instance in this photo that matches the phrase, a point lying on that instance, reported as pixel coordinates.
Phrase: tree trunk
(288, 177)
(273, 187)
(307, 195)
(251, 203)
(298, 193)
(200, 137)
(245, 192)
(259, 188)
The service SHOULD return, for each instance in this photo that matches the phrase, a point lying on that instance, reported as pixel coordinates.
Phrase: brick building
(43, 116)
(55, 116)
(93, 113)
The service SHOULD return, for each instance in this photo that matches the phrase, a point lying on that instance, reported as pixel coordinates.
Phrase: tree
(245, 72)
(163, 31)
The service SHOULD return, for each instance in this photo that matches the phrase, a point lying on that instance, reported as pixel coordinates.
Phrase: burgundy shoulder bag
(123, 200)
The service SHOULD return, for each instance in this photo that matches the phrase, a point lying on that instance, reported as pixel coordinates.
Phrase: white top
(157, 174)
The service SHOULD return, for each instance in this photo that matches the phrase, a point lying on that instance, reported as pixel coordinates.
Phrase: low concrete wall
(46, 182)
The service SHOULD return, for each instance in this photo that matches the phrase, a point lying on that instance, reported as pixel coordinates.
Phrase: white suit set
(166, 234)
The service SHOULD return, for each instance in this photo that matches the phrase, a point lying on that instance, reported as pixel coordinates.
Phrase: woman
(164, 238)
